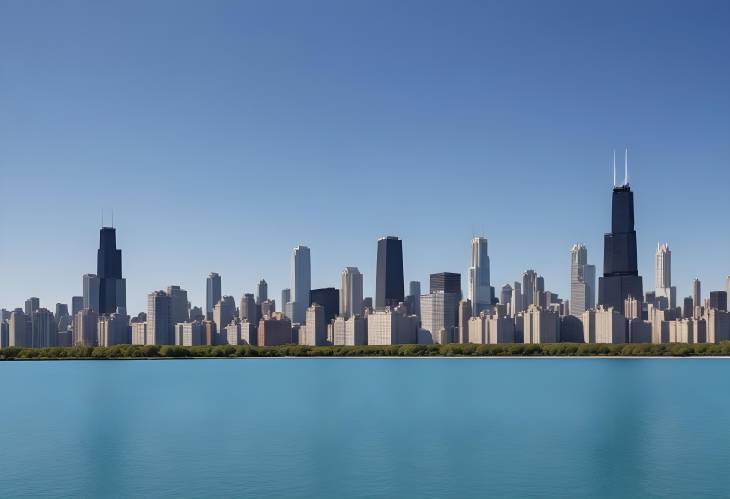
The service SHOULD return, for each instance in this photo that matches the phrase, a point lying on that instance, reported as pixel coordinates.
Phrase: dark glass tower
(446, 282)
(112, 292)
(621, 277)
(389, 277)
(329, 298)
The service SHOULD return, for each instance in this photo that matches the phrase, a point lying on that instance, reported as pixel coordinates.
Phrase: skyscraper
(664, 275)
(350, 292)
(43, 327)
(159, 320)
(480, 290)
(446, 282)
(31, 305)
(413, 300)
(329, 299)
(440, 316)
(696, 293)
(529, 280)
(179, 311)
(112, 287)
(262, 292)
(389, 273)
(621, 277)
(582, 281)
(247, 309)
(301, 277)
(77, 303)
(212, 292)
(91, 292)
(285, 299)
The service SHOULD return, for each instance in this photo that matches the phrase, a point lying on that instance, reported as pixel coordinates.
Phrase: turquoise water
(366, 428)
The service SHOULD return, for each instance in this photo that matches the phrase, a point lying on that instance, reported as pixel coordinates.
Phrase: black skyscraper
(112, 292)
(389, 277)
(329, 298)
(446, 282)
(620, 272)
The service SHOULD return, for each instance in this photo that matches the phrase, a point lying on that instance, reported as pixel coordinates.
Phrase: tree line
(449, 350)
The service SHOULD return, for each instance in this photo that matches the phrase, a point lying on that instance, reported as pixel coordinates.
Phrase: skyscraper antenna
(614, 167)
(626, 166)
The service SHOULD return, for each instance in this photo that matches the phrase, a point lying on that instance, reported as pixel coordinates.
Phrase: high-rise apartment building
(413, 300)
(159, 319)
(351, 291)
(31, 305)
(389, 273)
(20, 329)
(44, 329)
(315, 329)
(582, 281)
(445, 282)
(247, 309)
(480, 289)
(223, 312)
(77, 303)
(85, 328)
(91, 292)
(179, 305)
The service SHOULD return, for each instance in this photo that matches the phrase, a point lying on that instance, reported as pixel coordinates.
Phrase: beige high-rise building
(478, 329)
(139, 333)
(113, 329)
(223, 313)
(582, 281)
(632, 306)
(500, 330)
(439, 311)
(189, 334)
(603, 325)
(351, 331)
(687, 331)
(465, 313)
(350, 292)
(660, 324)
(233, 332)
(85, 328)
(392, 326)
(315, 329)
(540, 326)
(275, 330)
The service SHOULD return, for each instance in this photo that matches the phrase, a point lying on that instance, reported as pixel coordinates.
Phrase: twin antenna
(626, 168)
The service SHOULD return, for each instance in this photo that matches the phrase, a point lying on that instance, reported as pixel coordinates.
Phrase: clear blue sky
(225, 133)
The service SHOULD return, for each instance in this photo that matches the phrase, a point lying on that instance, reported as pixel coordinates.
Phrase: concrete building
(687, 331)
(31, 305)
(247, 309)
(77, 304)
(529, 284)
(159, 320)
(223, 313)
(210, 333)
(91, 292)
(248, 331)
(632, 308)
(113, 329)
(85, 328)
(276, 330)
(232, 334)
(718, 325)
(696, 293)
(500, 329)
(439, 311)
(139, 333)
(351, 331)
(190, 334)
(663, 284)
(179, 305)
(392, 326)
(505, 295)
(603, 325)
(477, 332)
(43, 328)
(4, 334)
(413, 300)
(351, 292)
(20, 329)
(480, 288)
(516, 306)
(660, 319)
(315, 329)
(267, 308)
(582, 281)
(540, 326)
(301, 276)
(464, 314)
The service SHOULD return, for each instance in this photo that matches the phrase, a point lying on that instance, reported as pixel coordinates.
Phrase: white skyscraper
(301, 283)
(480, 291)
(664, 275)
(582, 281)
(350, 292)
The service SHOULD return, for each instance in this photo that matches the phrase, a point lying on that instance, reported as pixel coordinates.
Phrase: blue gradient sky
(225, 133)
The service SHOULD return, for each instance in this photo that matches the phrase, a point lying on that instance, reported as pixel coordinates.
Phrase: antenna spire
(614, 167)
(626, 166)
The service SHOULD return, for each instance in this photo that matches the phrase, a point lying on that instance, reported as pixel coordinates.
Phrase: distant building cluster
(521, 312)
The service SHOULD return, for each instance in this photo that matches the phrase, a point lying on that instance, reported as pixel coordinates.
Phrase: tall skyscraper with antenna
(621, 277)
(112, 287)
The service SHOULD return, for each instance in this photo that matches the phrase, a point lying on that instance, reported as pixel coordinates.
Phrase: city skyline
(222, 151)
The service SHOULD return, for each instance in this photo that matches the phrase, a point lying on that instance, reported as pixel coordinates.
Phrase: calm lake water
(366, 428)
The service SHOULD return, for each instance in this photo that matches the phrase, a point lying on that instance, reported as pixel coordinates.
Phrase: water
(366, 428)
